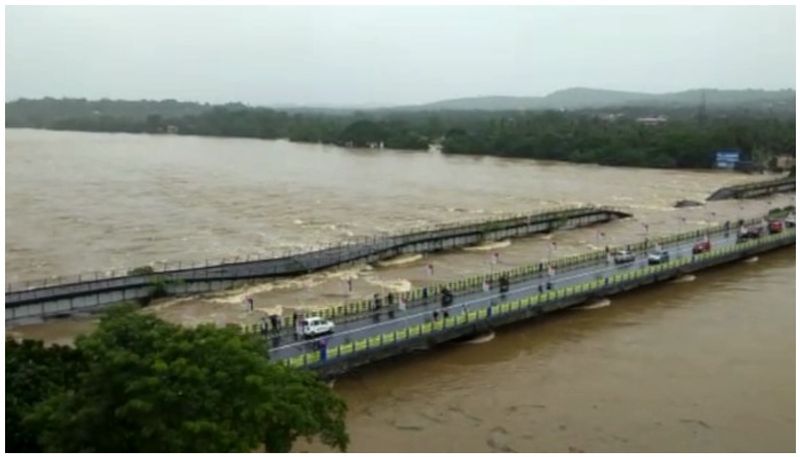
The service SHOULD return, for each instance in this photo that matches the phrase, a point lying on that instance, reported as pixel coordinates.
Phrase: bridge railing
(366, 241)
(462, 318)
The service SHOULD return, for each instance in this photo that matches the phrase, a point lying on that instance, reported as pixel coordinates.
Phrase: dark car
(701, 246)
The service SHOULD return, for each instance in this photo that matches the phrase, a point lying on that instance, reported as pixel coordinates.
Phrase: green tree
(151, 386)
(34, 373)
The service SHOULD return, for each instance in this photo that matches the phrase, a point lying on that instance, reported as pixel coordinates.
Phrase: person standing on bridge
(349, 286)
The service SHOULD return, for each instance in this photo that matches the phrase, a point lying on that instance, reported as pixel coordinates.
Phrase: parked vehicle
(776, 226)
(624, 257)
(701, 246)
(315, 326)
(656, 257)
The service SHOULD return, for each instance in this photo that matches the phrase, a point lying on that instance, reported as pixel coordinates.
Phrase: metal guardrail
(364, 244)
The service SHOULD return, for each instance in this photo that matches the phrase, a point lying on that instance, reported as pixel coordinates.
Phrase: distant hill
(585, 98)
(49, 112)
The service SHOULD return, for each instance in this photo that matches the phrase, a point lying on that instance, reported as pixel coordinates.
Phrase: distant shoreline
(364, 148)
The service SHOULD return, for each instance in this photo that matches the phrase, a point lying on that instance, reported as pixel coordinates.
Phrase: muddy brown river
(706, 364)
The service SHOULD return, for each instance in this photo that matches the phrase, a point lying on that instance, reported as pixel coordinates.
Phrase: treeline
(608, 137)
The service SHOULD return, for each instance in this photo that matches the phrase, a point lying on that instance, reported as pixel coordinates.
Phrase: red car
(775, 227)
(701, 246)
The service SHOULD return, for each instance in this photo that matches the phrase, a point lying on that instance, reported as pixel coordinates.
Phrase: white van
(315, 326)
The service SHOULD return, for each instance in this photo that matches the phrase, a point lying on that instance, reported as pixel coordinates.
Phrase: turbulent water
(706, 364)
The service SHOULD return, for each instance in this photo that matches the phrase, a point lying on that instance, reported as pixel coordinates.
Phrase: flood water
(702, 365)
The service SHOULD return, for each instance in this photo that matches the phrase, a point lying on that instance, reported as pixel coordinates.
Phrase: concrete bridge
(372, 334)
(756, 189)
(33, 302)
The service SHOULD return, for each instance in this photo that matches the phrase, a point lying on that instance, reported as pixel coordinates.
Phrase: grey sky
(390, 55)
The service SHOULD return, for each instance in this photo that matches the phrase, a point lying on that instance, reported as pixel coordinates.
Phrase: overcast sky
(390, 55)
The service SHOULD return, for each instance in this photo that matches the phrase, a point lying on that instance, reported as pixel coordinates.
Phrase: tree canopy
(145, 385)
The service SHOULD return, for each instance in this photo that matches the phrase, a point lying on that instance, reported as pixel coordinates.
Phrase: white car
(315, 326)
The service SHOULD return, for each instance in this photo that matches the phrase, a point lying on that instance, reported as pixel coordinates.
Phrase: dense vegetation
(687, 140)
(139, 384)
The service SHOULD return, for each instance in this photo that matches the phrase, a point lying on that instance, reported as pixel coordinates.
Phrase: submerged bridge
(366, 332)
(756, 189)
(37, 300)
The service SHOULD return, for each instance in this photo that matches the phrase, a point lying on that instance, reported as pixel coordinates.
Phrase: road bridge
(378, 333)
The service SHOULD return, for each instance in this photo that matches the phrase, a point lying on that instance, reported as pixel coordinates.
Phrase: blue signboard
(727, 158)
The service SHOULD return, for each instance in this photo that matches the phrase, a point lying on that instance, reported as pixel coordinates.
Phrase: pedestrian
(402, 305)
(540, 288)
(504, 283)
(549, 285)
(390, 299)
(430, 269)
(250, 303)
(294, 319)
(436, 315)
(485, 285)
(298, 330)
(349, 286)
(425, 294)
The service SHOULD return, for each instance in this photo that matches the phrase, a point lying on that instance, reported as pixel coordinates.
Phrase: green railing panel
(312, 357)
(298, 361)
(346, 349)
